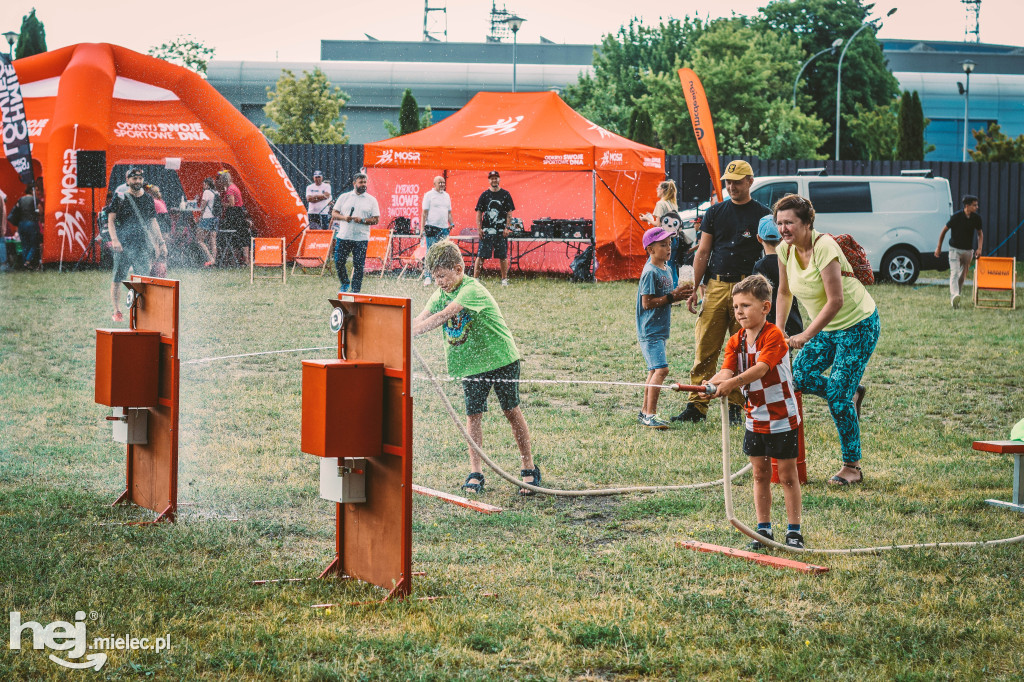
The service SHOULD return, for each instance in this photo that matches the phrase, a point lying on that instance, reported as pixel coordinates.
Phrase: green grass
(586, 589)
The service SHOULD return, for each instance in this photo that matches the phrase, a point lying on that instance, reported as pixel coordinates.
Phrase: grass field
(586, 589)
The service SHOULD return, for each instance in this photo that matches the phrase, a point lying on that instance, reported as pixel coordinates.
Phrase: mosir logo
(61, 635)
(504, 126)
(601, 131)
(611, 157)
(563, 160)
(71, 224)
(390, 156)
(652, 162)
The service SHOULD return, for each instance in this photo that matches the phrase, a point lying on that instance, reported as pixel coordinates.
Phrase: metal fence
(998, 186)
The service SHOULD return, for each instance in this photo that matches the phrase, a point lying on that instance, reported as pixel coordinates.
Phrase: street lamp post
(11, 37)
(968, 67)
(835, 46)
(515, 23)
(839, 76)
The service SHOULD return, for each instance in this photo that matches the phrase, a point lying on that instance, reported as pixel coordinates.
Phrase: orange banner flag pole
(703, 129)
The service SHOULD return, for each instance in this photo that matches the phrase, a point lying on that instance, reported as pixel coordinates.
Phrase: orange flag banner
(703, 129)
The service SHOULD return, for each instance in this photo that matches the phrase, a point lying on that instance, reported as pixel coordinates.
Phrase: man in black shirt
(135, 236)
(726, 254)
(493, 214)
(962, 227)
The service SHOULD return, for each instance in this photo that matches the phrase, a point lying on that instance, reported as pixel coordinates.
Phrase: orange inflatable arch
(139, 110)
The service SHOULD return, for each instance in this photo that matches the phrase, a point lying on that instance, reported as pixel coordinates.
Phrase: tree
(607, 97)
(747, 75)
(867, 80)
(409, 117)
(305, 110)
(995, 145)
(875, 129)
(910, 144)
(185, 51)
(32, 39)
(641, 127)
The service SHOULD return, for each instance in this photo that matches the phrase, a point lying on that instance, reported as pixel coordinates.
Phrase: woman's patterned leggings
(847, 352)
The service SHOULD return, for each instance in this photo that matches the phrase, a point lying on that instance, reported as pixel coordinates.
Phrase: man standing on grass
(318, 195)
(493, 215)
(355, 212)
(436, 217)
(726, 254)
(135, 236)
(962, 227)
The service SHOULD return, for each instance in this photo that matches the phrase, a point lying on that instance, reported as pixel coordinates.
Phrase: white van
(896, 219)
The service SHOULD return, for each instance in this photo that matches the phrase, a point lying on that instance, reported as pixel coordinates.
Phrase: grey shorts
(135, 256)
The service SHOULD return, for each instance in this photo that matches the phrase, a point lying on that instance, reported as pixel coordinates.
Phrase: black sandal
(535, 473)
(474, 487)
(837, 481)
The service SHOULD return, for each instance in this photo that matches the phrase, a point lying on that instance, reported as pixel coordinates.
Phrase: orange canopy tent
(561, 164)
(139, 110)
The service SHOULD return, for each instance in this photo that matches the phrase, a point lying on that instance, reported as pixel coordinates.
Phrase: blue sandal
(535, 473)
(474, 487)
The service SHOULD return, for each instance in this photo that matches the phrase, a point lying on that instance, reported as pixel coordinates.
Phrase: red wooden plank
(1004, 447)
(482, 507)
(764, 559)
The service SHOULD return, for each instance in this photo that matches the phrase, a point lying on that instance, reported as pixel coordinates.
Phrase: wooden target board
(152, 468)
(374, 538)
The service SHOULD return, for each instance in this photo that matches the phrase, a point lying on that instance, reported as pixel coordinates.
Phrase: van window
(905, 197)
(772, 192)
(840, 197)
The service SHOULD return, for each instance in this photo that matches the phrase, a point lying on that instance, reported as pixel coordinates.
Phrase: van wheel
(901, 266)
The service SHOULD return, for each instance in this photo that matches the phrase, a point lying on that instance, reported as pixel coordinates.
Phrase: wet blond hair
(444, 254)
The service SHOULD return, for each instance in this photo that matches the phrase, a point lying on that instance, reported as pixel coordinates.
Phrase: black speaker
(92, 169)
(696, 183)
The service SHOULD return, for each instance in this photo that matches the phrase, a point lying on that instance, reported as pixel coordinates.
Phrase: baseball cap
(494, 174)
(133, 171)
(655, 234)
(318, 173)
(767, 230)
(737, 170)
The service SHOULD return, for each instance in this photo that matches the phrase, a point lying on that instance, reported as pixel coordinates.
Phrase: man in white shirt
(318, 196)
(355, 212)
(436, 217)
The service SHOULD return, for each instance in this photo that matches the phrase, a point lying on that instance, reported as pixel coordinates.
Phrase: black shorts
(493, 246)
(476, 388)
(784, 445)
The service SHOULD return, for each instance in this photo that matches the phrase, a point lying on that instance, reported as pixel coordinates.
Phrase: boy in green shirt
(479, 348)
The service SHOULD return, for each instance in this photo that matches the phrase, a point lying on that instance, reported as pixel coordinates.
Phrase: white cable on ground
(731, 516)
(600, 492)
(249, 355)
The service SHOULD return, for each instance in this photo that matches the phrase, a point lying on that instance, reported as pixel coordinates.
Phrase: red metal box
(342, 408)
(127, 367)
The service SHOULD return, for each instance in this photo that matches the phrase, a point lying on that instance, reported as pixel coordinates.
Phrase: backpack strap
(845, 273)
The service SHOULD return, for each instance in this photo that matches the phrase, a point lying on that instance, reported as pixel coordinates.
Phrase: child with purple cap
(654, 300)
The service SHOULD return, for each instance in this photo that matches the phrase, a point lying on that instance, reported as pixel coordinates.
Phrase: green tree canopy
(641, 127)
(185, 51)
(875, 129)
(305, 110)
(410, 119)
(910, 144)
(995, 145)
(607, 97)
(32, 38)
(867, 80)
(747, 74)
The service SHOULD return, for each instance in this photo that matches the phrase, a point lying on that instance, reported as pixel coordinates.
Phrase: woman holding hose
(844, 325)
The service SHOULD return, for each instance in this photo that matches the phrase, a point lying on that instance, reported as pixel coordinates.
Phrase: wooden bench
(1008, 447)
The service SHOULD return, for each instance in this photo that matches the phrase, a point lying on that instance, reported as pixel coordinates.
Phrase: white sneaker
(426, 281)
(956, 301)
(504, 282)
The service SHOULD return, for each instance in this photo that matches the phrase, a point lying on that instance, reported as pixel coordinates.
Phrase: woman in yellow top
(844, 324)
(667, 204)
